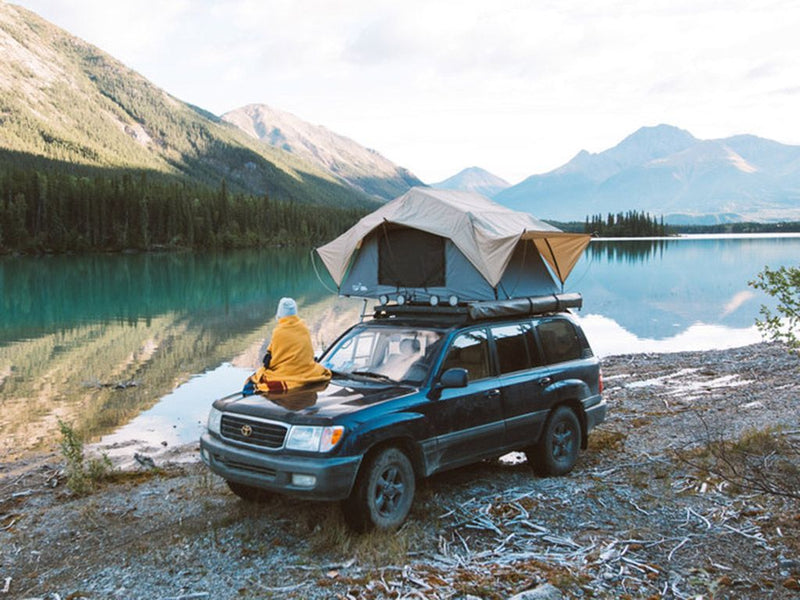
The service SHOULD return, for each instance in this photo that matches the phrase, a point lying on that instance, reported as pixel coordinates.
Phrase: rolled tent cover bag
(431, 245)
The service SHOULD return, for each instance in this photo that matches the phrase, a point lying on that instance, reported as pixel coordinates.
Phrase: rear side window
(470, 351)
(512, 347)
(560, 341)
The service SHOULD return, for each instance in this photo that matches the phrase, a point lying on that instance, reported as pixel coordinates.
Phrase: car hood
(339, 397)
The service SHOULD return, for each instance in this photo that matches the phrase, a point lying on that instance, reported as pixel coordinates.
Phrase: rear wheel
(556, 452)
(248, 493)
(383, 492)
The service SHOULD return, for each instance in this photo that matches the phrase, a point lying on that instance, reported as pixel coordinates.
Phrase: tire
(383, 493)
(248, 493)
(557, 450)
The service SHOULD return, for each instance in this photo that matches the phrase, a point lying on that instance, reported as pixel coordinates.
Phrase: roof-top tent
(445, 244)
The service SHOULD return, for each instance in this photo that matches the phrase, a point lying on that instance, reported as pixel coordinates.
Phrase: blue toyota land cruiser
(415, 391)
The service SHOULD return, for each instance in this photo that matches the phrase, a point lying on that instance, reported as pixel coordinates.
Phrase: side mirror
(454, 378)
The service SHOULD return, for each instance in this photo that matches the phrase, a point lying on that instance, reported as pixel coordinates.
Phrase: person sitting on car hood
(289, 362)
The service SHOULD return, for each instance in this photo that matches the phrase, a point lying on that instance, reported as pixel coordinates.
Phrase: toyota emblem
(247, 431)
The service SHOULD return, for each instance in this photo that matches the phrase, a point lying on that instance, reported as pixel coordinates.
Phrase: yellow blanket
(292, 364)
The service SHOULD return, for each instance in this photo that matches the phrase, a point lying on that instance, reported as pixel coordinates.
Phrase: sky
(515, 87)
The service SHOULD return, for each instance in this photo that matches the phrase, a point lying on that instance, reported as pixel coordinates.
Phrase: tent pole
(555, 262)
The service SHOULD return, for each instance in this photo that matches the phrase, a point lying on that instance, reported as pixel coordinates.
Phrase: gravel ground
(633, 520)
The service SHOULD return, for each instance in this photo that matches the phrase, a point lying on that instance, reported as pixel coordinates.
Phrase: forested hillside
(94, 156)
(58, 212)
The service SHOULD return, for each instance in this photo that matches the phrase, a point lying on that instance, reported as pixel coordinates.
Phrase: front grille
(235, 464)
(261, 433)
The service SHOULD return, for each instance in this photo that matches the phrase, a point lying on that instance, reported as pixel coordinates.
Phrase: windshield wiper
(374, 375)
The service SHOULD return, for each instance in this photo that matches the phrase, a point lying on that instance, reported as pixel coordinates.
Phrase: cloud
(520, 84)
(736, 302)
(129, 30)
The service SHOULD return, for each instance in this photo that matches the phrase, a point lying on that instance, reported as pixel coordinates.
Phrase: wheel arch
(404, 443)
(568, 392)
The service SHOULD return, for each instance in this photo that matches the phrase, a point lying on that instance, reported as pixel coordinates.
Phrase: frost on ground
(636, 518)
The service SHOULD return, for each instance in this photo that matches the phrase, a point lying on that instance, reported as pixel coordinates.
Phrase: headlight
(214, 420)
(313, 439)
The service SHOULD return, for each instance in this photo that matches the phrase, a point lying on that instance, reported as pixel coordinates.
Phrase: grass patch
(605, 439)
(331, 536)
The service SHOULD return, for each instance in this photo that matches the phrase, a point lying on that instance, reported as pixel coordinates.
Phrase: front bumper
(333, 476)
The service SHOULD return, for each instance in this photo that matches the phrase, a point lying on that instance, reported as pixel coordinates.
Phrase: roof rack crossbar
(480, 310)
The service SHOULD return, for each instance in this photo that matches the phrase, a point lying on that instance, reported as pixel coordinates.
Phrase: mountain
(68, 105)
(474, 179)
(666, 171)
(360, 167)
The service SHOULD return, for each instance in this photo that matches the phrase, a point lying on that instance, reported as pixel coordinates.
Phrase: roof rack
(480, 310)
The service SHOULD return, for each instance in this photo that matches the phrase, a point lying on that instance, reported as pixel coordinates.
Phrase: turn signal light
(331, 437)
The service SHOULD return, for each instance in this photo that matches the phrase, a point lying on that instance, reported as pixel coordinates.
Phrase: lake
(131, 349)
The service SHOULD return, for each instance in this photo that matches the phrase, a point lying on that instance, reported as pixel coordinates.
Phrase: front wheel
(383, 492)
(556, 452)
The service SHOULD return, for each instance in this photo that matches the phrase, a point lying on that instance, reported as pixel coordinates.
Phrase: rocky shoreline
(642, 516)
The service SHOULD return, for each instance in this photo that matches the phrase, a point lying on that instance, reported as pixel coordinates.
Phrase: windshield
(391, 353)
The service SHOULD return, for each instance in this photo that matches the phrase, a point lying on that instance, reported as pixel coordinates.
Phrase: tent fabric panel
(362, 277)
(526, 274)
(463, 280)
(495, 254)
(562, 252)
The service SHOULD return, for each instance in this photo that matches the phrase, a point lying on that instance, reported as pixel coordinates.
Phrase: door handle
(545, 381)
(492, 394)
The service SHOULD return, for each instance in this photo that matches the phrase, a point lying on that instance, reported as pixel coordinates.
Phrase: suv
(415, 391)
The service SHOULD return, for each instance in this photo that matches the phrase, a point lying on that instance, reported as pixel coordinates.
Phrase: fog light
(434, 300)
(401, 299)
(384, 300)
(204, 455)
(453, 300)
(300, 480)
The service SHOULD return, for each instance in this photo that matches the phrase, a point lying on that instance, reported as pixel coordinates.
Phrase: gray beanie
(286, 308)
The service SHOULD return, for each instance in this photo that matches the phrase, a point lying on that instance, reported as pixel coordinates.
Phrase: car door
(571, 361)
(523, 377)
(468, 422)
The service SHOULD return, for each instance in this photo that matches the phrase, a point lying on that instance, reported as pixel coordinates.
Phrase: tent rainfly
(444, 243)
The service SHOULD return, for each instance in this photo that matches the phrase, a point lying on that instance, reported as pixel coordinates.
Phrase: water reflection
(609, 338)
(41, 294)
(656, 289)
(96, 340)
(628, 251)
(148, 341)
(179, 416)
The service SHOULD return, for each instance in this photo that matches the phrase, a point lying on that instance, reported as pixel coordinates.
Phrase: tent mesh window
(410, 258)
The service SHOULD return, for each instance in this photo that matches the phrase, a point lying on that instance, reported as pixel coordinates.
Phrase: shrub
(765, 461)
(82, 475)
(783, 325)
